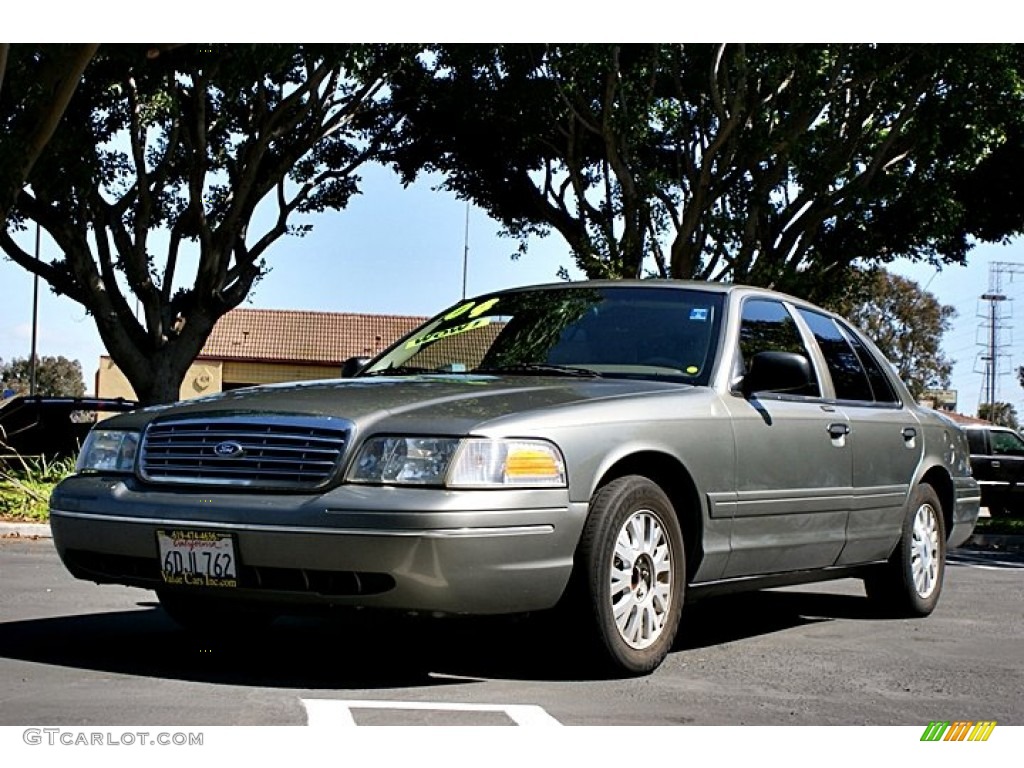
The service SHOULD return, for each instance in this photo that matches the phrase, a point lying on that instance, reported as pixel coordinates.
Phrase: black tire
(910, 583)
(205, 615)
(1000, 510)
(631, 517)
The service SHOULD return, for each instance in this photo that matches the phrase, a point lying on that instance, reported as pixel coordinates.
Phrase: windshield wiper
(541, 369)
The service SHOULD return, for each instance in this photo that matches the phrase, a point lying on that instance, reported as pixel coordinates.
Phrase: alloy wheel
(641, 579)
(925, 550)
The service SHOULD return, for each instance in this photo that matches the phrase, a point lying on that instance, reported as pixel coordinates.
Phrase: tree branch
(4, 51)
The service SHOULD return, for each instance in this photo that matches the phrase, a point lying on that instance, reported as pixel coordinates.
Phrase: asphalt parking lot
(73, 652)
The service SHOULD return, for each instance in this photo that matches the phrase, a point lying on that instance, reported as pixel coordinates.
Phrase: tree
(1001, 414)
(777, 165)
(55, 376)
(175, 152)
(36, 85)
(907, 324)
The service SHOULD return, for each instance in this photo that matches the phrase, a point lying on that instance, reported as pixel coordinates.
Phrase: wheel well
(939, 479)
(673, 478)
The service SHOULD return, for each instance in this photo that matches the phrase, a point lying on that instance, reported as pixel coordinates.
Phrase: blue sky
(962, 287)
(394, 250)
(399, 250)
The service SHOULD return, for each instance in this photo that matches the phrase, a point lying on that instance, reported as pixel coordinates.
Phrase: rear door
(885, 439)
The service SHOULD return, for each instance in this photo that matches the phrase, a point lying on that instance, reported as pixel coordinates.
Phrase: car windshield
(618, 332)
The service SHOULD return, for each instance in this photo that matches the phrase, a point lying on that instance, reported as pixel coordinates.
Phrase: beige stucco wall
(236, 372)
(206, 377)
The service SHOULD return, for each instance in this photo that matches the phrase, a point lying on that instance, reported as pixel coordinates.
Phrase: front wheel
(632, 558)
(910, 583)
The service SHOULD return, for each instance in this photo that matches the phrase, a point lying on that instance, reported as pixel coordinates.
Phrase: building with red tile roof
(315, 338)
(266, 346)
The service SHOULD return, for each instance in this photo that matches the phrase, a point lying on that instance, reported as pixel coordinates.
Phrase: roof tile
(282, 335)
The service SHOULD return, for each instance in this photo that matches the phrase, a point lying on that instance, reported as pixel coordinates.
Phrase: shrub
(26, 483)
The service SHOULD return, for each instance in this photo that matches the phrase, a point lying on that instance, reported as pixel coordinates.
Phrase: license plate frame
(197, 558)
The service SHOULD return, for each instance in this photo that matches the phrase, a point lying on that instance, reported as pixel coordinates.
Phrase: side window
(976, 440)
(848, 376)
(1006, 443)
(767, 326)
(880, 384)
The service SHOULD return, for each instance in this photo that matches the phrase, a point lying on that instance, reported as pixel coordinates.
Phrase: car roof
(651, 283)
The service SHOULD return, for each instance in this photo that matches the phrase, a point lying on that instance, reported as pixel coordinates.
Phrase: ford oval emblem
(228, 450)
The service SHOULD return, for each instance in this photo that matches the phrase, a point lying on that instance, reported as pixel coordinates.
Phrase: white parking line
(997, 565)
(332, 713)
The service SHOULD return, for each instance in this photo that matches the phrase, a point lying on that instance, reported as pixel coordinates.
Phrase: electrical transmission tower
(994, 322)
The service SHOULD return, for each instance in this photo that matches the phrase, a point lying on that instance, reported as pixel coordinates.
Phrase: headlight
(108, 450)
(404, 460)
(459, 463)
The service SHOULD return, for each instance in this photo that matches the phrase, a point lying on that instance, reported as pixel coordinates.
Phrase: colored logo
(228, 450)
(958, 730)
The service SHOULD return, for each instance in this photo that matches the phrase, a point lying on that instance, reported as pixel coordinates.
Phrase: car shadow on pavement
(991, 558)
(379, 652)
(725, 619)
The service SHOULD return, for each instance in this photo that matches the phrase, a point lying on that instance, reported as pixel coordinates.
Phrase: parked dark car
(611, 448)
(997, 462)
(53, 427)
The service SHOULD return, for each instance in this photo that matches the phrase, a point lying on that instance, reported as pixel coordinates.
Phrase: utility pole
(35, 323)
(992, 359)
(465, 254)
(994, 323)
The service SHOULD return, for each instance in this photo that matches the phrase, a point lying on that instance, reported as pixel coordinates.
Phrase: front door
(793, 462)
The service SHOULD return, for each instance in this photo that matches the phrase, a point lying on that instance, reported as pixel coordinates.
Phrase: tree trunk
(168, 370)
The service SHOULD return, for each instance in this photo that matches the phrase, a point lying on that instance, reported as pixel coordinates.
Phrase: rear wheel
(910, 583)
(998, 510)
(632, 562)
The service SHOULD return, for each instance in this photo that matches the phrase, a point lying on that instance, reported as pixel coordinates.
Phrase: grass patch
(1003, 526)
(25, 486)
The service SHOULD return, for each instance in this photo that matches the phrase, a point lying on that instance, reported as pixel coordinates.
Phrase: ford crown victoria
(613, 449)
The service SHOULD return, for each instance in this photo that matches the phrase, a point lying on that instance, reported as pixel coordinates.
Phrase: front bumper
(422, 549)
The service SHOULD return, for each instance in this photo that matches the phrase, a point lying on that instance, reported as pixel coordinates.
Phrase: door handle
(909, 433)
(836, 431)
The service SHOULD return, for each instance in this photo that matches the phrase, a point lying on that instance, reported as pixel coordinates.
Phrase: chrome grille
(266, 452)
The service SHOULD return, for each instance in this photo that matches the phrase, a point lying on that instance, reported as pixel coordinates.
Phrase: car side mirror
(353, 366)
(777, 372)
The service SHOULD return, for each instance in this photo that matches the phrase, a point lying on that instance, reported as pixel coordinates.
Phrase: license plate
(197, 558)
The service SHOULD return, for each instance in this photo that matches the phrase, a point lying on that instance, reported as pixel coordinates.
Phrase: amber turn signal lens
(527, 463)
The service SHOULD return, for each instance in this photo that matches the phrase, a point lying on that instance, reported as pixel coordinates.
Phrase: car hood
(445, 404)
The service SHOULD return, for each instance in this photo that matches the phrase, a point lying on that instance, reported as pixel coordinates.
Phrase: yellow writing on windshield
(477, 309)
(481, 308)
(433, 336)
